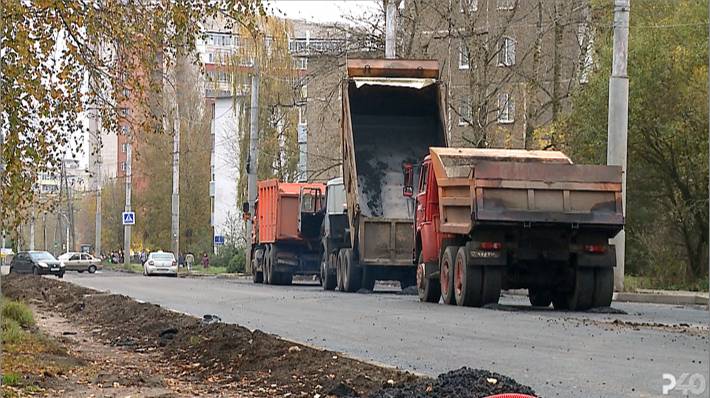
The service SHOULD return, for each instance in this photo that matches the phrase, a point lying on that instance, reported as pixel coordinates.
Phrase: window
(304, 92)
(300, 63)
(464, 55)
(126, 93)
(302, 115)
(468, 6)
(210, 57)
(506, 53)
(423, 179)
(124, 148)
(506, 4)
(123, 111)
(125, 130)
(506, 108)
(123, 166)
(465, 112)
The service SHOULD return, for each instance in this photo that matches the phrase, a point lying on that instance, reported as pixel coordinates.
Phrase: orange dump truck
(286, 232)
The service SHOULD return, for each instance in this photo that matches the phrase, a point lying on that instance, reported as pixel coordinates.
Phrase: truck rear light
(491, 246)
(595, 249)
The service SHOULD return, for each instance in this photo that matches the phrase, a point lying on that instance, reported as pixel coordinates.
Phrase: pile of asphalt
(460, 383)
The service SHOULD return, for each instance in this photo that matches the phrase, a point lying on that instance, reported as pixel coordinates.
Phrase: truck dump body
(392, 114)
(279, 209)
(509, 186)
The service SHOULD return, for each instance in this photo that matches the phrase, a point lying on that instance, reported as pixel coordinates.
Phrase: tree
(667, 209)
(51, 51)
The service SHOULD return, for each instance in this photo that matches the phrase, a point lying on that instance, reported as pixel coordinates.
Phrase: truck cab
(335, 232)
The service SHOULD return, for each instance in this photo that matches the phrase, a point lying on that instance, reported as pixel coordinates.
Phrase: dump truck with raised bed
(286, 233)
(488, 219)
(392, 112)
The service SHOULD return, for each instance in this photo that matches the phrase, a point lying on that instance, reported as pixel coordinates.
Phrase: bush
(17, 312)
(238, 262)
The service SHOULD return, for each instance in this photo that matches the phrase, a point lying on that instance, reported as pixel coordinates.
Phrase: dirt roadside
(140, 349)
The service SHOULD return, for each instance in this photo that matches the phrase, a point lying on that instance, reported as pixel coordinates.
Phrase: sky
(318, 10)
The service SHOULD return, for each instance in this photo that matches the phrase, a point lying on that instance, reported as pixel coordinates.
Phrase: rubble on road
(461, 383)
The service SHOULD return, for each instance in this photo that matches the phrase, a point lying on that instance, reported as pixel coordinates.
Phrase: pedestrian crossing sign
(129, 218)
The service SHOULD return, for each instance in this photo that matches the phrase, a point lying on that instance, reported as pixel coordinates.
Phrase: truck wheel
(492, 282)
(581, 296)
(540, 297)
(429, 289)
(603, 287)
(267, 265)
(256, 276)
(446, 275)
(353, 274)
(339, 270)
(467, 281)
(327, 276)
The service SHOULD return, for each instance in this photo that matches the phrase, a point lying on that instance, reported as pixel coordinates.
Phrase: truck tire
(603, 287)
(339, 270)
(446, 274)
(540, 297)
(256, 276)
(429, 289)
(468, 281)
(328, 277)
(581, 296)
(268, 274)
(353, 275)
(492, 283)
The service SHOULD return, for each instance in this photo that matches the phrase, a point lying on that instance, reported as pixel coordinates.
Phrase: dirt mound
(205, 351)
(461, 383)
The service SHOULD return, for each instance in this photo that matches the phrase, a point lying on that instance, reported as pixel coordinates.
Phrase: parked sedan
(75, 261)
(160, 262)
(37, 263)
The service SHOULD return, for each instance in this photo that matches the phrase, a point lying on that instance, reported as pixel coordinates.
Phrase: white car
(160, 263)
(75, 261)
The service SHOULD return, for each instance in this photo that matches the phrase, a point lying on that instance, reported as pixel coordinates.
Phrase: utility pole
(253, 143)
(618, 120)
(391, 28)
(127, 228)
(97, 238)
(32, 229)
(175, 224)
(44, 230)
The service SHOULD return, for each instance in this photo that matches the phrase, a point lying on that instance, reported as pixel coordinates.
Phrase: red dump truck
(488, 219)
(286, 232)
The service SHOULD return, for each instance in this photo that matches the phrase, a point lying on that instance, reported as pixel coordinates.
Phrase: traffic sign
(129, 218)
(219, 239)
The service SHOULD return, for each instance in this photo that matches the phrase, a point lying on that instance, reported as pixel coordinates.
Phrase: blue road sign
(129, 218)
(218, 239)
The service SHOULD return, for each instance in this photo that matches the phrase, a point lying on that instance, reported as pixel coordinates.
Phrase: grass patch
(211, 270)
(18, 312)
(633, 283)
(11, 333)
(11, 379)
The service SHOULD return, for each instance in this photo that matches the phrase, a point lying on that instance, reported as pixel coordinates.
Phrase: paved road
(557, 353)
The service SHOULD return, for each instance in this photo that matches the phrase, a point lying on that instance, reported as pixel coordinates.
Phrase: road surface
(562, 354)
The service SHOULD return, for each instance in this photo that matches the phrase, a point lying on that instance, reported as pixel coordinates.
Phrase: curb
(655, 297)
